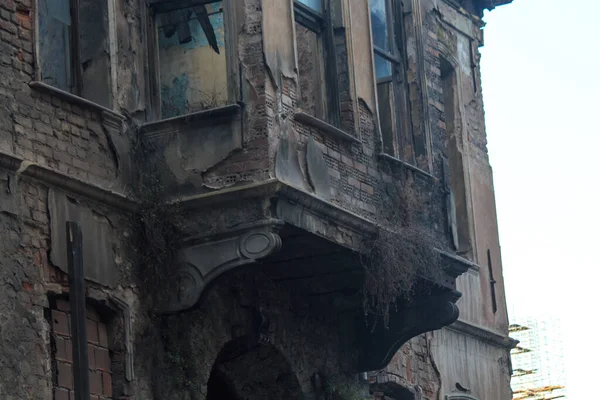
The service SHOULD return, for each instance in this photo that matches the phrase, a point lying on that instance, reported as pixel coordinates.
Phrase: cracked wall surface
(65, 158)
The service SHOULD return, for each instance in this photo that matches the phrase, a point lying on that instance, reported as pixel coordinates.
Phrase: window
(459, 224)
(191, 57)
(317, 74)
(100, 376)
(388, 39)
(74, 47)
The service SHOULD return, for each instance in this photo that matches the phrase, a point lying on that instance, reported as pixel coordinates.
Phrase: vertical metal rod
(81, 375)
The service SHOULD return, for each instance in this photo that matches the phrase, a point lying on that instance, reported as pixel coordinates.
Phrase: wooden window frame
(76, 86)
(322, 25)
(400, 138)
(231, 8)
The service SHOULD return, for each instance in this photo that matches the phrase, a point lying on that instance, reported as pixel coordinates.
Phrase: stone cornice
(20, 167)
(275, 188)
(483, 334)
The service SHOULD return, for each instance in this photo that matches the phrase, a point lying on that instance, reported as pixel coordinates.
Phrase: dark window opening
(492, 282)
(388, 38)
(317, 76)
(191, 55)
(74, 47)
(459, 223)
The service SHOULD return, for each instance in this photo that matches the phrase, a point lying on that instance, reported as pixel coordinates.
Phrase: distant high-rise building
(538, 361)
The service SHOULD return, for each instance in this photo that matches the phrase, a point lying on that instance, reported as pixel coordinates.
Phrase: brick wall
(37, 126)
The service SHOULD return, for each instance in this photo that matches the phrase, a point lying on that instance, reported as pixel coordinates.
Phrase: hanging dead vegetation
(401, 252)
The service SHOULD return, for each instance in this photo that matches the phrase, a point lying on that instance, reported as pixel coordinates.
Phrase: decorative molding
(20, 167)
(206, 259)
(71, 98)
(484, 334)
(407, 321)
(324, 127)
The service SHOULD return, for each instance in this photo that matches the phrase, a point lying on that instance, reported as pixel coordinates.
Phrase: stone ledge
(71, 98)
(324, 127)
(156, 128)
(21, 167)
(394, 160)
(483, 334)
(458, 264)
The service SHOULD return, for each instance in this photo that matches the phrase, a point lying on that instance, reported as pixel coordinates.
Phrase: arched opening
(252, 372)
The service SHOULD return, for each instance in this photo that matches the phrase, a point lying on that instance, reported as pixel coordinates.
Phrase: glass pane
(379, 24)
(192, 62)
(55, 43)
(316, 5)
(383, 67)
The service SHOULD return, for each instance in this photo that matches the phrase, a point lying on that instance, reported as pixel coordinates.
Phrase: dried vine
(401, 252)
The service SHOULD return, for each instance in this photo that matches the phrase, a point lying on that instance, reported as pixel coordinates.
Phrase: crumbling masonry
(283, 199)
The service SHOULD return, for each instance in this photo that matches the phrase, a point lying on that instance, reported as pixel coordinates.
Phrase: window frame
(76, 91)
(322, 25)
(230, 21)
(401, 138)
(76, 84)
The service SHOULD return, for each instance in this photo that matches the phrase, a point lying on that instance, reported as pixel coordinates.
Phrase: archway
(252, 372)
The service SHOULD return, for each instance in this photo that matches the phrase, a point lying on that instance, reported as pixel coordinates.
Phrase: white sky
(540, 68)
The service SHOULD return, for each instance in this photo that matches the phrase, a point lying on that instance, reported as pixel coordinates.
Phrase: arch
(257, 371)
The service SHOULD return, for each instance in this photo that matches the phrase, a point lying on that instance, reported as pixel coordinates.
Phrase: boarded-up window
(191, 56)
(74, 47)
(62, 354)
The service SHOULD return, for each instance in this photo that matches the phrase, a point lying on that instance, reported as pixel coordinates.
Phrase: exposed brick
(92, 331)
(60, 323)
(102, 359)
(107, 384)
(102, 336)
(61, 394)
(64, 349)
(96, 386)
(64, 375)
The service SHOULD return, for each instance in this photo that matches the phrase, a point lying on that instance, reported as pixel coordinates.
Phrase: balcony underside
(311, 248)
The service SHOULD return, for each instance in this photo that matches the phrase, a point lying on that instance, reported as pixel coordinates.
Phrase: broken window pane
(192, 61)
(383, 67)
(316, 5)
(55, 43)
(379, 24)
(310, 71)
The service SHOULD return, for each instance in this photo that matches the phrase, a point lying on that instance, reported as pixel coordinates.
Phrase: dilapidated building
(247, 199)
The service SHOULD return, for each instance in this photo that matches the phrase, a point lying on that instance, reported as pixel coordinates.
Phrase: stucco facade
(277, 199)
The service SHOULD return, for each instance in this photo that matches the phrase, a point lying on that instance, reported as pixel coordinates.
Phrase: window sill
(71, 98)
(387, 157)
(329, 129)
(225, 112)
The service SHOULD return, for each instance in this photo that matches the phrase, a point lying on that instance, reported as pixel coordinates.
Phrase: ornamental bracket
(205, 259)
